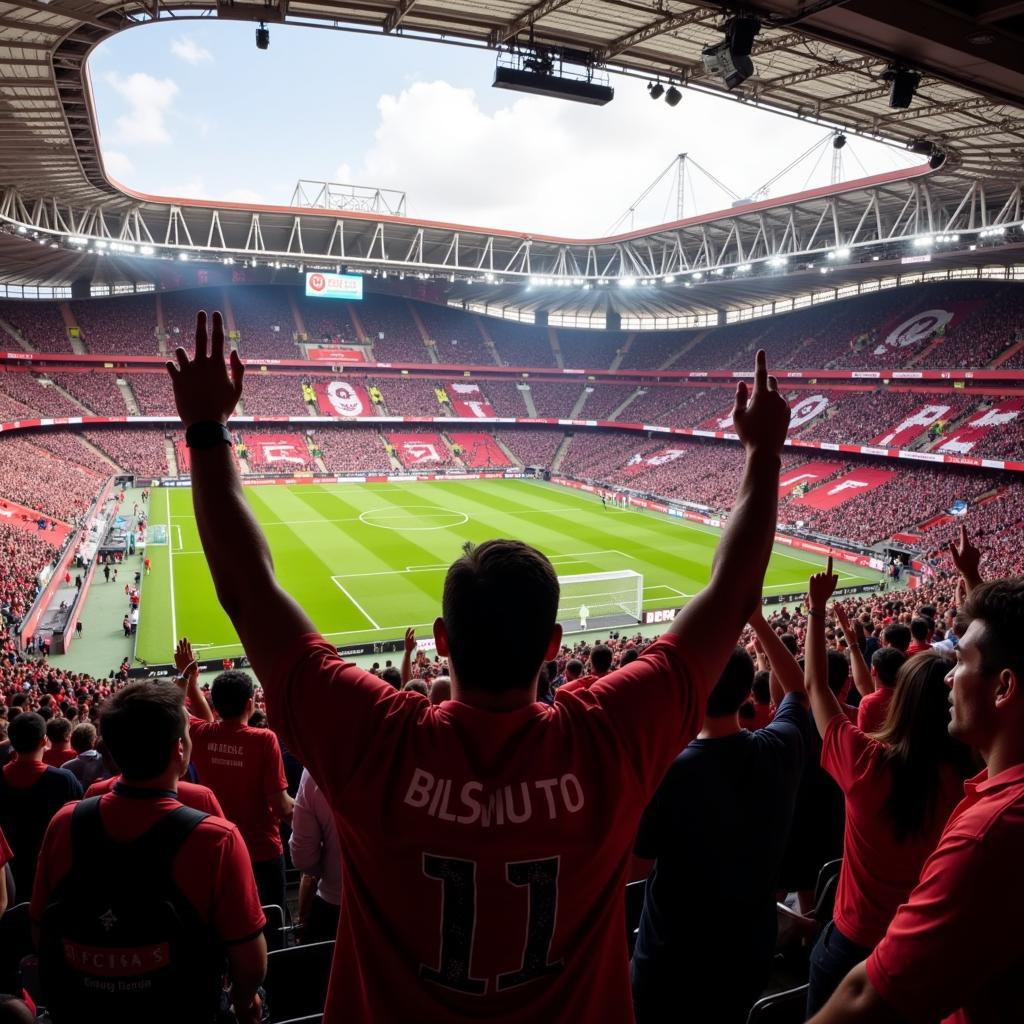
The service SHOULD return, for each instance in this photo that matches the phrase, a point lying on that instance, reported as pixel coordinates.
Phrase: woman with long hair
(900, 786)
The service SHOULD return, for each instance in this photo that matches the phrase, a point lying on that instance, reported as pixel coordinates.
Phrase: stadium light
(656, 89)
(627, 282)
(743, 268)
(730, 60)
(903, 85)
(262, 37)
(842, 253)
(778, 261)
(22, 229)
(838, 140)
(669, 278)
(673, 96)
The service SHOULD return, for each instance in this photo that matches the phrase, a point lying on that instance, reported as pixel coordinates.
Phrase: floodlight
(903, 84)
(838, 140)
(655, 89)
(673, 96)
(730, 59)
(262, 37)
(937, 159)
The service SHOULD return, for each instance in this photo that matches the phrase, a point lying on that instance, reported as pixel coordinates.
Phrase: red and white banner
(277, 449)
(333, 354)
(468, 400)
(420, 449)
(639, 463)
(809, 473)
(842, 490)
(907, 331)
(802, 410)
(340, 398)
(965, 437)
(480, 451)
(913, 426)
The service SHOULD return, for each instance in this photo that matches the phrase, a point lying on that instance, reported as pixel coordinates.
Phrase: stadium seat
(780, 1008)
(634, 907)
(296, 982)
(825, 891)
(15, 942)
(274, 929)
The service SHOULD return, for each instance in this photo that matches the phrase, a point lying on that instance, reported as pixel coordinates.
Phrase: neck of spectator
(718, 726)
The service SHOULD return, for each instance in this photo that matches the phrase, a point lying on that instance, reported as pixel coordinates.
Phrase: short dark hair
(393, 676)
(83, 737)
(886, 662)
(58, 729)
(26, 732)
(838, 671)
(232, 690)
(575, 667)
(417, 686)
(761, 687)
(920, 628)
(1000, 606)
(601, 658)
(790, 642)
(628, 656)
(140, 725)
(897, 634)
(501, 595)
(733, 686)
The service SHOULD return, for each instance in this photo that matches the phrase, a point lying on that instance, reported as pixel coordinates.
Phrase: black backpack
(119, 943)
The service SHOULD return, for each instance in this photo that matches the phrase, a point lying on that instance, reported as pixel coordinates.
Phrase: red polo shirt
(955, 949)
(878, 871)
(199, 798)
(243, 767)
(55, 757)
(212, 869)
(873, 708)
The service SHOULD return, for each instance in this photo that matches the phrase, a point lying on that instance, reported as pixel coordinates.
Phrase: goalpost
(600, 600)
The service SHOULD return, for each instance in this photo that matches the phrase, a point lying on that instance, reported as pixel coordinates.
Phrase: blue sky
(193, 109)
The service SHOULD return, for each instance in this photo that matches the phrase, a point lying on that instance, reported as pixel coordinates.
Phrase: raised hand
(185, 662)
(410, 640)
(844, 622)
(761, 419)
(967, 558)
(203, 390)
(820, 588)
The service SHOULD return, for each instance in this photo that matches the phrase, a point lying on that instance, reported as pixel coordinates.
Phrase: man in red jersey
(486, 840)
(209, 877)
(955, 950)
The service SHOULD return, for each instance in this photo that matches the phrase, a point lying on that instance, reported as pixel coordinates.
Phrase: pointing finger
(201, 336)
(217, 351)
(760, 370)
(828, 569)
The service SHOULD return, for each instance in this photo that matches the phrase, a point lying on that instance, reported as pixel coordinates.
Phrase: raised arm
(857, 1001)
(783, 665)
(713, 620)
(824, 705)
(266, 618)
(967, 559)
(861, 673)
(410, 646)
(188, 679)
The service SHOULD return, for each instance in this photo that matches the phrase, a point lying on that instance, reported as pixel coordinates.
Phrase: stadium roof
(821, 61)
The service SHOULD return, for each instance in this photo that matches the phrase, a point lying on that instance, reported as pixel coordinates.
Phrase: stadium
(414, 385)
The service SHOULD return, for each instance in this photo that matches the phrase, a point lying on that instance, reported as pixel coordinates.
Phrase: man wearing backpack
(142, 904)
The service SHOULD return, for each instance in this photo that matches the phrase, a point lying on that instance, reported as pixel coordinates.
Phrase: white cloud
(244, 195)
(117, 164)
(148, 100)
(189, 50)
(557, 167)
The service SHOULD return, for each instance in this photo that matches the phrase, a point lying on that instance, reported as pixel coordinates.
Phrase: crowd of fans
(71, 449)
(266, 326)
(39, 323)
(410, 397)
(269, 394)
(42, 481)
(31, 391)
(391, 330)
(151, 393)
(125, 325)
(98, 392)
(520, 344)
(456, 336)
(602, 401)
(138, 450)
(352, 450)
(590, 350)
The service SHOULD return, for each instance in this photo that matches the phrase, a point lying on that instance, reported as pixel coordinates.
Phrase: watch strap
(207, 434)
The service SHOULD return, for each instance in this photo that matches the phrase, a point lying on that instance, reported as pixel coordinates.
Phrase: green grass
(367, 560)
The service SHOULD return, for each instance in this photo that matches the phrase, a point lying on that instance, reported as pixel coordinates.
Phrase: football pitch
(368, 560)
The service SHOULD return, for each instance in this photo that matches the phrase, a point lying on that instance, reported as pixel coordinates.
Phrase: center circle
(404, 517)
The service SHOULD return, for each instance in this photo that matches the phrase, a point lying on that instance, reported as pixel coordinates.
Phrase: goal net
(600, 600)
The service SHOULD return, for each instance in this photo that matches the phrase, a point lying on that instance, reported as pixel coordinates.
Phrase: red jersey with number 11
(484, 854)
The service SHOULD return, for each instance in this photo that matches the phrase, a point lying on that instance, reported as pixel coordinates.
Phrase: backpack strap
(95, 854)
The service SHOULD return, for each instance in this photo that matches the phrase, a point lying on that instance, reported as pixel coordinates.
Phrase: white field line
(177, 529)
(366, 615)
(170, 575)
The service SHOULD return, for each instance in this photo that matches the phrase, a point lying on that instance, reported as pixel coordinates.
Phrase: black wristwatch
(207, 434)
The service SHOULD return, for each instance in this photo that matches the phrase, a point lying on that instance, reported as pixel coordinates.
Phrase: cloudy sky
(193, 109)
